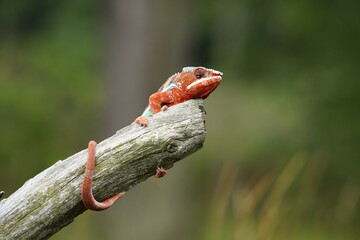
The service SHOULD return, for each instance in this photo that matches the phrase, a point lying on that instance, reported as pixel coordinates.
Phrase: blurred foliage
(281, 160)
(49, 88)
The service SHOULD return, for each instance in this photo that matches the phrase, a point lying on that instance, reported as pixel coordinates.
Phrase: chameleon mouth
(208, 80)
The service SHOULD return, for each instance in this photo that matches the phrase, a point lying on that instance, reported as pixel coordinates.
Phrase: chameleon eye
(199, 73)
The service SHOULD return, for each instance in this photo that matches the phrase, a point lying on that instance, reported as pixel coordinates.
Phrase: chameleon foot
(86, 190)
(160, 172)
(142, 121)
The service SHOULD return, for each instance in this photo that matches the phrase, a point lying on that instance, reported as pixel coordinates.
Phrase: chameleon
(190, 83)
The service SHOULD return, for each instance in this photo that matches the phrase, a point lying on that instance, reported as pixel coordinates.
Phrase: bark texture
(52, 199)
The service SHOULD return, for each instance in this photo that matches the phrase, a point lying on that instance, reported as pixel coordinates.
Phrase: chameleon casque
(190, 83)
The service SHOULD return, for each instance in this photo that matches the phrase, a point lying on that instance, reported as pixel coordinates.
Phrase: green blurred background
(282, 156)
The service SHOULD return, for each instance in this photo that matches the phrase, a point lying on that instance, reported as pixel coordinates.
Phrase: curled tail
(86, 190)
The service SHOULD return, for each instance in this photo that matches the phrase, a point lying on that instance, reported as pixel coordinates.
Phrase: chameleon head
(202, 81)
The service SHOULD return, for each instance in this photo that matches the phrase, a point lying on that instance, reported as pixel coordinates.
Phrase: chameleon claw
(160, 172)
(164, 108)
(142, 121)
(86, 190)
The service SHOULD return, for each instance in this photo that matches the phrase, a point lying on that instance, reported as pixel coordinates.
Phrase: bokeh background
(282, 154)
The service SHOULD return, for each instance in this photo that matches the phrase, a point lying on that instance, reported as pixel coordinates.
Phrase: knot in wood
(171, 147)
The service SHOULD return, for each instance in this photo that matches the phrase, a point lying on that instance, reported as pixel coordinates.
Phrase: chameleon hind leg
(160, 172)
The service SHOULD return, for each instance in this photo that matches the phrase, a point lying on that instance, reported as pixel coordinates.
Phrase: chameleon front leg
(86, 190)
(158, 102)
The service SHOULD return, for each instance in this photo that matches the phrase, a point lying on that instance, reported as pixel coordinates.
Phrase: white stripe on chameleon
(201, 80)
(215, 71)
(171, 86)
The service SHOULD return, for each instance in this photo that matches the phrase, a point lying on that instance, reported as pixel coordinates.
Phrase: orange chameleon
(191, 83)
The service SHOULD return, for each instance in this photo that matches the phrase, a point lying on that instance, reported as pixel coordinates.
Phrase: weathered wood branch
(51, 200)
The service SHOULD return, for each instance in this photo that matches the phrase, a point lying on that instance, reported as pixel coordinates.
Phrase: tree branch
(52, 199)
